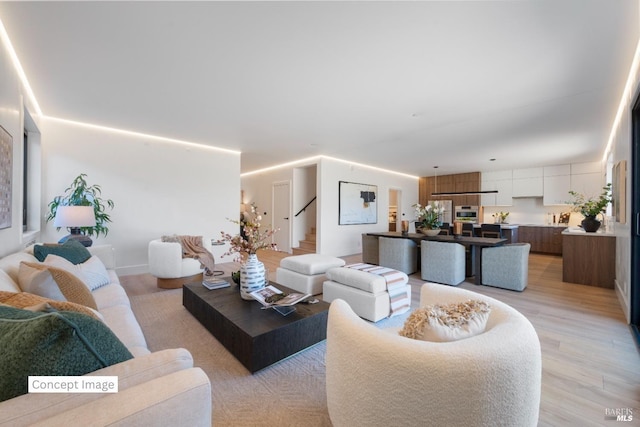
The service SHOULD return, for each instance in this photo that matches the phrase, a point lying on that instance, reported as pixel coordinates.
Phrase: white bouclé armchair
(376, 377)
(170, 268)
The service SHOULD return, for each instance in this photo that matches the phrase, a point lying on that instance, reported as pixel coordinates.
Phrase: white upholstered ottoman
(368, 294)
(306, 273)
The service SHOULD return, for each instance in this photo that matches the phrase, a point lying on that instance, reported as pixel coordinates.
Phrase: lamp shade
(74, 216)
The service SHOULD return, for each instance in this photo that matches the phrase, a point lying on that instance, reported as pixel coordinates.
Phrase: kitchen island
(475, 245)
(589, 258)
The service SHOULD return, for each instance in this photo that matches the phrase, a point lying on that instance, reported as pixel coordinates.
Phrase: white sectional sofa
(159, 388)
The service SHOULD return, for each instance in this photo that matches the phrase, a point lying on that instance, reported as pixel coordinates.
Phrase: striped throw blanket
(399, 298)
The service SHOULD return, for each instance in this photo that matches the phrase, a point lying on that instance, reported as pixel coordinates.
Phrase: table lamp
(74, 217)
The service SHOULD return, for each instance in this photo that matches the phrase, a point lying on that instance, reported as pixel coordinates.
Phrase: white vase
(252, 276)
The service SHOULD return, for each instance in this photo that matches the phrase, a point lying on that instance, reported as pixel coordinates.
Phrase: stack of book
(215, 283)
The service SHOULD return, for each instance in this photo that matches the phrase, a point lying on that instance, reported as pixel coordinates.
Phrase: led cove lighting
(141, 135)
(314, 158)
(16, 63)
(626, 94)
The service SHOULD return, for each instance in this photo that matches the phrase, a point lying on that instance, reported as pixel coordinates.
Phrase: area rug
(288, 393)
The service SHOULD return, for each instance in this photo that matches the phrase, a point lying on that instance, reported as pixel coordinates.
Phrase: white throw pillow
(451, 322)
(92, 272)
(38, 282)
(7, 284)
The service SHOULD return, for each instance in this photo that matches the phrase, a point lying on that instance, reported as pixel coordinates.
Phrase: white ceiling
(400, 85)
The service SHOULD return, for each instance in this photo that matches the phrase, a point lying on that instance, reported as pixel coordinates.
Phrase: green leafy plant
(500, 217)
(592, 206)
(79, 193)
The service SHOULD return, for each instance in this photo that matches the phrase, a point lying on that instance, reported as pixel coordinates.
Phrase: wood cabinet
(589, 259)
(456, 183)
(546, 240)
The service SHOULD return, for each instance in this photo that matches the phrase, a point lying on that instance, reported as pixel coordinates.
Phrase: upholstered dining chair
(370, 249)
(375, 377)
(442, 262)
(399, 254)
(506, 266)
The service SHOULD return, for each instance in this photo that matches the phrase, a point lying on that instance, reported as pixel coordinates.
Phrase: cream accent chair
(375, 377)
(171, 270)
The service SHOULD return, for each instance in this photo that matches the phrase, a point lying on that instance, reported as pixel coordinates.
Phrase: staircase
(308, 245)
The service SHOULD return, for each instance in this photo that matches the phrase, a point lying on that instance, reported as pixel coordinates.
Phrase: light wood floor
(590, 361)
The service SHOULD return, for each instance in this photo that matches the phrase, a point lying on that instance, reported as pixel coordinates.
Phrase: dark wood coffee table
(257, 338)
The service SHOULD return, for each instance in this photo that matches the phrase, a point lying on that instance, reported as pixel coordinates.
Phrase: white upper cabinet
(528, 182)
(502, 181)
(587, 178)
(552, 183)
(557, 183)
(558, 170)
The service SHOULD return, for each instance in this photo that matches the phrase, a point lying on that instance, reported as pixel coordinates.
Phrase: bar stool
(491, 230)
(467, 229)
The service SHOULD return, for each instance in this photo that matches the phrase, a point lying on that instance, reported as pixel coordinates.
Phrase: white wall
(12, 104)
(332, 239)
(158, 188)
(621, 150)
(341, 240)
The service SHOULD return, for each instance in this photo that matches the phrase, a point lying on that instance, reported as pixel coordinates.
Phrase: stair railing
(305, 206)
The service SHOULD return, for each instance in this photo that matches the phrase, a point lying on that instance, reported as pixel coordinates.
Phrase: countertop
(513, 226)
(505, 226)
(578, 231)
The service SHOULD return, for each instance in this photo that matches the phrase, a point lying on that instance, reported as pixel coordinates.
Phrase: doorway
(395, 205)
(281, 214)
(635, 223)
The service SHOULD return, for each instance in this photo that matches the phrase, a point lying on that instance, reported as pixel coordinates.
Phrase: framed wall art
(357, 203)
(6, 173)
(619, 191)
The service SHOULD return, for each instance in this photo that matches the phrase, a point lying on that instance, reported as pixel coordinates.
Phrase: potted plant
(500, 217)
(79, 193)
(429, 218)
(591, 207)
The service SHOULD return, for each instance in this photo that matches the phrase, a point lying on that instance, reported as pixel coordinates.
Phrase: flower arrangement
(251, 238)
(500, 217)
(429, 216)
(593, 206)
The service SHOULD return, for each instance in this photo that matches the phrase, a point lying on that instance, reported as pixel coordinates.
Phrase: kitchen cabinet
(528, 182)
(545, 240)
(556, 190)
(467, 182)
(502, 181)
(589, 259)
(589, 184)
